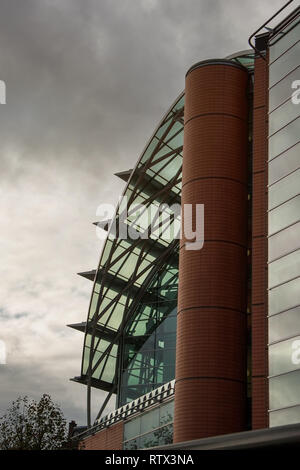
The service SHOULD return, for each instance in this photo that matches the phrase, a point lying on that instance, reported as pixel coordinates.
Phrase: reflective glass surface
(284, 297)
(282, 115)
(285, 416)
(132, 313)
(151, 428)
(284, 64)
(284, 189)
(284, 139)
(149, 341)
(284, 242)
(284, 215)
(284, 356)
(284, 390)
(284, 325)
(284, 225)
(284, 164)
(287, 38)
(284, 269)
(282, 90)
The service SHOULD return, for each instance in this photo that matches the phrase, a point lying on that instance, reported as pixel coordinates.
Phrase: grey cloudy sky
(87, 81)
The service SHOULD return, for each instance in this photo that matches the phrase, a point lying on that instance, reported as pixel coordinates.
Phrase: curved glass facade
(129, 346)
(284, 228)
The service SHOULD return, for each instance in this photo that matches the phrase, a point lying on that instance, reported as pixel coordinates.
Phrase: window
(151, 428)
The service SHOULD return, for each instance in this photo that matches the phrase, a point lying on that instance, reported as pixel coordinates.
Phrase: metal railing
(148, 400)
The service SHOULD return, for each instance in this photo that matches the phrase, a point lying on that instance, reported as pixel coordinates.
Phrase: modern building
(199, 343)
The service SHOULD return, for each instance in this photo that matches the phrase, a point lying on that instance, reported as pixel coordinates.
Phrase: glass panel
(85, 362)
(284, 269)
(93, 306)
(106, 369)
(281, 67)
(284, 215)
(150, 420)
(284, 139)
(150, 149)
(284, 297)
(284, 356)
(166, 435)
(284, 164)
(109, 369)
(286, 113)
(284, 242)
(247, 61)
(132, 428)
(113, 315)
(179, 104)
(285, 390)
(282, 90)
(286, 40)
(166, 413)
(149, 440)
(170, 168)
(284, 189)
(284, 325)
(176, 129)
(286, 416)
(150, 428)
(176, 141)
(149, 346)
(132, 445)
(160, 436)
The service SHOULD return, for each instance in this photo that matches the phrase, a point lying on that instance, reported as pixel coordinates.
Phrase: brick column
(210, 393)
(259, 248)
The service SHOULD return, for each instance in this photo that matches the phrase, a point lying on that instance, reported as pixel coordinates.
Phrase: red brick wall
(259, 248)
(108, 439)
(210, 393)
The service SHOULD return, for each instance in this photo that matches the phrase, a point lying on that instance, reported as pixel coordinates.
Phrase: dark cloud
(87, 81)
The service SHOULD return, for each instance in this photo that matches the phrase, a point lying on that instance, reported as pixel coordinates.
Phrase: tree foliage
(33, 425)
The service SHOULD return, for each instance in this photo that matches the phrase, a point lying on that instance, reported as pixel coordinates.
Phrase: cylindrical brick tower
(210, 392)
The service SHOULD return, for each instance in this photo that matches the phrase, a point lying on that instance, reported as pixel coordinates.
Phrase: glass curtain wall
(284, 227)
(129, 344)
